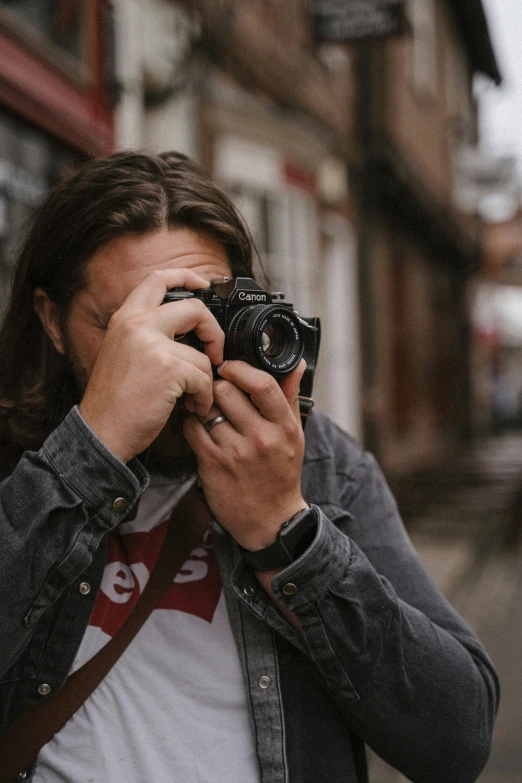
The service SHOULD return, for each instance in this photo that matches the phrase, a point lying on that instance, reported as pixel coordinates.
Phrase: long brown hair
(125, 193)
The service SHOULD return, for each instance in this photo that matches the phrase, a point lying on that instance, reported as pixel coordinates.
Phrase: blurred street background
(374, 148)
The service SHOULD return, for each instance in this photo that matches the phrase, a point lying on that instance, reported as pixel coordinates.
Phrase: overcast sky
(501, 107)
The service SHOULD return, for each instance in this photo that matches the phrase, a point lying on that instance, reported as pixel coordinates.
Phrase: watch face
(293, 539)
(299, 533)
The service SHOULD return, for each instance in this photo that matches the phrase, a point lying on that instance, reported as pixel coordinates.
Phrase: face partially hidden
(112, 273)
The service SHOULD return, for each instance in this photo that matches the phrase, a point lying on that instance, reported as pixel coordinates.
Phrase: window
(59, 25)
(30, 162)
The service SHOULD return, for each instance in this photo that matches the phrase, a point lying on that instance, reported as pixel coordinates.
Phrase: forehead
(120, 265)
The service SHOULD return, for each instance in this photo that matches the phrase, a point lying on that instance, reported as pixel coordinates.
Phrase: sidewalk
(465, 519)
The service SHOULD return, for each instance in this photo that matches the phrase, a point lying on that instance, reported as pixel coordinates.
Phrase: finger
(199, 439)
(150, 292)
(190, 355)
(290, 386)
(185, 378)
(221, 433)
(263, 389)
(178, 318)
(237, 407)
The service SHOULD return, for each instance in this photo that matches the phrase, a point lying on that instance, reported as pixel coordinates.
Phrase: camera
(260, 327)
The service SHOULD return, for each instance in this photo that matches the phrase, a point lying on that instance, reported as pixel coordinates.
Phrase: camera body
(260, 327)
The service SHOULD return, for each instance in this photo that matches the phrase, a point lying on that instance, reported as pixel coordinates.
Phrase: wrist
(293, 539)
(265, 533)
(106, 435)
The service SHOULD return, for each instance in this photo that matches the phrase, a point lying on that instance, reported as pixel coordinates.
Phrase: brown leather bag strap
(38, 724)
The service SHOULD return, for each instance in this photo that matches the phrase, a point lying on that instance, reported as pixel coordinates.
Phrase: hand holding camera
(141, 371)
(250, 465)
(151, 355)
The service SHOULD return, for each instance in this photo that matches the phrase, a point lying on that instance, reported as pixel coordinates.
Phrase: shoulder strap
(310, 355)
(38, 724)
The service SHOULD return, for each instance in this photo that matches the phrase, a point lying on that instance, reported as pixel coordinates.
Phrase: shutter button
(85, 588)
(44, 689)
(290, 589)
(120, 504)
(264, 682)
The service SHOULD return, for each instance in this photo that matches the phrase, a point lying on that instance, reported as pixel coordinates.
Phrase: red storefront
(57, 90)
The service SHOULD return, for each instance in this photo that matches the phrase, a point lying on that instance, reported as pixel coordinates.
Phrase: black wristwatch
(293, 538)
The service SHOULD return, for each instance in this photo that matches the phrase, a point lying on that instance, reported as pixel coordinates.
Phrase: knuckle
(206, 384)
(129, 327)
(291, 431)
(115, 321)
(198, 306)
(156, 274)
(164, 363)
(223, 389)
(263, 444)
(292, 453)
(266, 387)
(206, 364)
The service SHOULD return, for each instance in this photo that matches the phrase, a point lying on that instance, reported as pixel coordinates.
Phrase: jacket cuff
(316, 570)
(92, 471)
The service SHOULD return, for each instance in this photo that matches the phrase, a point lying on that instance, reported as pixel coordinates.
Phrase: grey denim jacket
(383, 658)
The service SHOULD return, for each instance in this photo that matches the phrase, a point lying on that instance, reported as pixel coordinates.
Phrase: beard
(169, 456)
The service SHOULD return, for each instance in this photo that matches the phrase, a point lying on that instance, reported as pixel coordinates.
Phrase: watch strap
(293, 538)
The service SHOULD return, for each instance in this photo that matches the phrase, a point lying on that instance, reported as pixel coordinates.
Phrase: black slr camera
(260, 327)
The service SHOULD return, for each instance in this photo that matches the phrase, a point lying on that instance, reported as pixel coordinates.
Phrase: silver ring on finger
(211, 423)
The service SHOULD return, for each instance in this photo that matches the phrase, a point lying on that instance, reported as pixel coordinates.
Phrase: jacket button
(44, 689)
(290, 589)
(264, 682)
(248, 590)
(85, 588)
(21, 776)
(120, 504)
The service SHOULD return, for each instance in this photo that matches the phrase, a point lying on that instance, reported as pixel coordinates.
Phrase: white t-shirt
(174, 707)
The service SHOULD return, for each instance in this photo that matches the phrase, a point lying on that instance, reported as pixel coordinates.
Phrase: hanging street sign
(342, 21)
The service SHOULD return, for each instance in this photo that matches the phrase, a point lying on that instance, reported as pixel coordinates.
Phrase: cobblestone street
(465, 520)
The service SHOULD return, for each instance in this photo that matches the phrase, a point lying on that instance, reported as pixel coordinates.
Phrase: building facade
(417, 249)
(56, 95)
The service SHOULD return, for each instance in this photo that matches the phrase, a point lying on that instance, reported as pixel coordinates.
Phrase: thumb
(290, 385)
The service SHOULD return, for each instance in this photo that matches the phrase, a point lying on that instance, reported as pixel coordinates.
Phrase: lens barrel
(267, 336)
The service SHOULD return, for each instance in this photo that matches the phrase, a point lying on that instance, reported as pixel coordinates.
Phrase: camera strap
(38, 724)
(310, 354)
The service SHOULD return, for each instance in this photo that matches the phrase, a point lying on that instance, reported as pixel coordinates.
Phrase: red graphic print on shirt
(130, 559)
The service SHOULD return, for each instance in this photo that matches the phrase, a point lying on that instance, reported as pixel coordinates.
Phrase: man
(240, 674)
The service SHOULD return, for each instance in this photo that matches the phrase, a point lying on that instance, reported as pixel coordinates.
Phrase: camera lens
(266, 336)
(274, 341)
